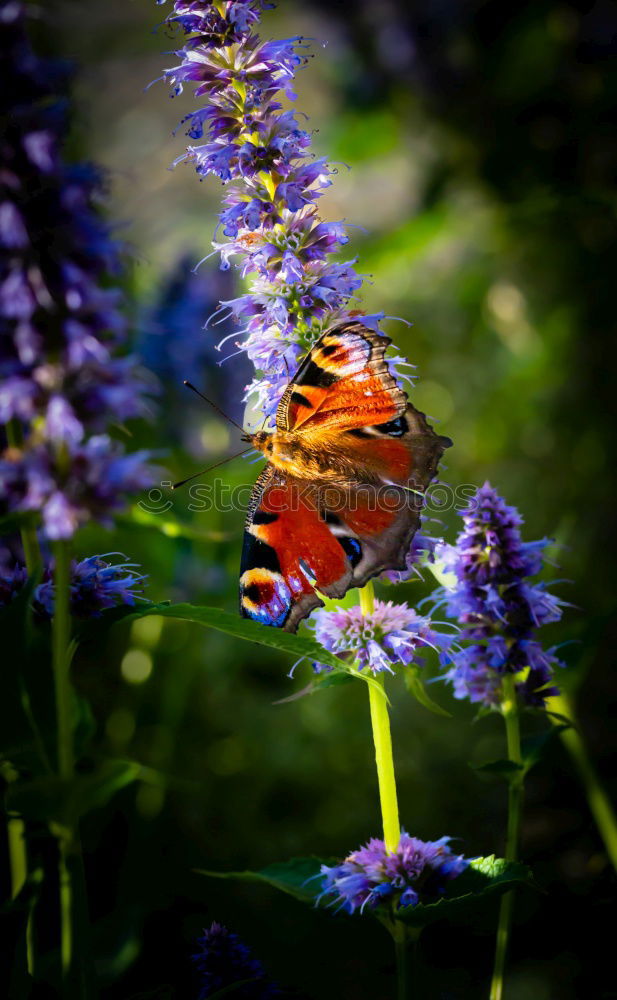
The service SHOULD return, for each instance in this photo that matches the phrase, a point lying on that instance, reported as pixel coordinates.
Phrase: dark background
(482, 152)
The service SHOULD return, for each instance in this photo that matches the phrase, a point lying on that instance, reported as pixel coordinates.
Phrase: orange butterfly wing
(304, 536)
(344, 382)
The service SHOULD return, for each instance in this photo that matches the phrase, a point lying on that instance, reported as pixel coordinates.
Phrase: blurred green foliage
(479, 176)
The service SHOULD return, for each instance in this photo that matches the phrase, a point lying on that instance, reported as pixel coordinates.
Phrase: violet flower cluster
(224, 963)
(95, 585)
(497, 605)
(417, 871)
(64, 377)
(262, 154)
(392, 635)
(170, 350)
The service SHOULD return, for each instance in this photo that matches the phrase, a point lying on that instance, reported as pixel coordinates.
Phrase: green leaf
(416, 688)
(333, 679)
(296, 877)
(27, 714)
(15, 916)
(502, 768)
(52, 799)
(243, 628)
(534, 746)
(485, 878)
(168, 525)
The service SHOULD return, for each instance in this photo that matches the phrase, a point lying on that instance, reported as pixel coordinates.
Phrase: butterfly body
(340, 498)
(331, 457)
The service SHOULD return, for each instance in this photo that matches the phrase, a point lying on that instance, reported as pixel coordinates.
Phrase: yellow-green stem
(382, 738)
(380, 722)
(29, 540)
(599, 802)
(17, 853)
(509, 708)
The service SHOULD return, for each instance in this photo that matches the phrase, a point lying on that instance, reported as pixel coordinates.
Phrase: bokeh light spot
(136, 666)
(147, 631)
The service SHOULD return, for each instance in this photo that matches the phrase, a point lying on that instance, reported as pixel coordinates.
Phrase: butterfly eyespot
(352, 549)
(346, 423)
(394, 428)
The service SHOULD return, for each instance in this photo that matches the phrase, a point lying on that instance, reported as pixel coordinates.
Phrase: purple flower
(64, 374)
(261, 151)
(95, 478)
(497, 606)
(391, 635)
(223, 960)
(95, 585)
(417, 871)
(174, 347)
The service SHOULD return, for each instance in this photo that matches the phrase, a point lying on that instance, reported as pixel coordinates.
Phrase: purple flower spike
(392, 635)
(417, 871)
(497, 606)
(270, 228)
(60, 324)
(223, 960)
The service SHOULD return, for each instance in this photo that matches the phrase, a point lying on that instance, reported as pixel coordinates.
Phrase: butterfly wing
(343, 380)
(303, 537)
(288, 550)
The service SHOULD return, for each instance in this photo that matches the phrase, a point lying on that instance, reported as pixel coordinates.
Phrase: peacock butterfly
(339, 501)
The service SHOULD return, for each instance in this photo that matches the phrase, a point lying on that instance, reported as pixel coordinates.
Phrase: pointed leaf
(51, 799)
(297, 877)
(416, 688)
(485, 878)
(534, 746)
(500, 768)
(243, 628)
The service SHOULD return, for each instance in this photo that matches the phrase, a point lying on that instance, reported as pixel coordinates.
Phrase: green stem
(401, 949)
(382, 738)
(509, 708)
(61, 633)
(64, 735)
(599, 802)
(29, 540)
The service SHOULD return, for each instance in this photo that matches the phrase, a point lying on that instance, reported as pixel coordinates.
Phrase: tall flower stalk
(504, 666)
(388, 799)
(270, 225)
(382, 738)
(380, 639)
(65, 375)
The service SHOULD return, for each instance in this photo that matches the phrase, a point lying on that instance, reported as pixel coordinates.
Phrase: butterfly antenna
(190, 386)
(210, 468)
